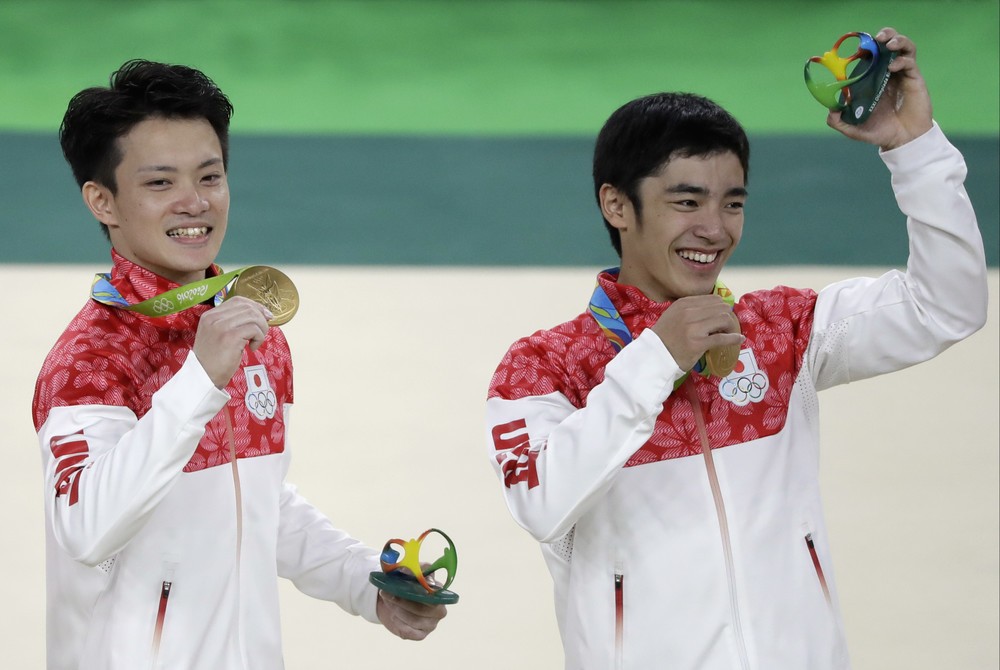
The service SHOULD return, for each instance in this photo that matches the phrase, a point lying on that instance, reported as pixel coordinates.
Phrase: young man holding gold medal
(162, 412)
(662, 446)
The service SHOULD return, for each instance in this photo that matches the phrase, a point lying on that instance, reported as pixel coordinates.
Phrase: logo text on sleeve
(514, 453)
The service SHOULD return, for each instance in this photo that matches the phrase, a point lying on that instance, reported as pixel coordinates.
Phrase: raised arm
(865, 327)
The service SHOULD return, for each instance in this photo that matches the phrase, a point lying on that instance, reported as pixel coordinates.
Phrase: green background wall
(459, 133)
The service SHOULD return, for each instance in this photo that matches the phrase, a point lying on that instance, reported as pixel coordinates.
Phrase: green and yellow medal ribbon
(166, 303)
(262, 284)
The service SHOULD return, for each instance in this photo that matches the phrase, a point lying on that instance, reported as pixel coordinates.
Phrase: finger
(712, 319)
(409, 622)
(702, 307)
(235, 316)
(893, 41)
(725, 340)
(246, 334)
(906, 50)
(902, 64)
(696, 301)
(250, 327)
(415, 608)
(235, 303)
(724, 323)
(257, 338)
(405, 630)
(834, 121)
(885, 34)
(421, 611)
(239, 304)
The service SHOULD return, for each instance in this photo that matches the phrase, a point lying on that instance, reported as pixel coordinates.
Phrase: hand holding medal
(721, 361)
(717, 361)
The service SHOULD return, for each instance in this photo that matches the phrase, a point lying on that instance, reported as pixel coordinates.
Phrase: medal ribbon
(614, 328)
(169, 302)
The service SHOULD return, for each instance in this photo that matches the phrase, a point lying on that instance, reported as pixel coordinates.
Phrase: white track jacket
(168, 517)
(667, 555)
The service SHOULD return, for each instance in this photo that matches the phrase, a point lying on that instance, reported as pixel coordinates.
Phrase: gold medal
(271, 288)
(720, 361)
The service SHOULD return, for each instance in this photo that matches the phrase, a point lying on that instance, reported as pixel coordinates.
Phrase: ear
(100, 202)
(616, 207)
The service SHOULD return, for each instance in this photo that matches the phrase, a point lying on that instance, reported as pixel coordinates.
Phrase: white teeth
(188, 232)
(697, 257)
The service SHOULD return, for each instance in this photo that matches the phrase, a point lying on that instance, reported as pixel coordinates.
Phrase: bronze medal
(720, 361)
(271, 288)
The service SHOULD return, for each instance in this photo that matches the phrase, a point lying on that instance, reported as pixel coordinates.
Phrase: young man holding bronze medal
(662, 446)
(162, 412)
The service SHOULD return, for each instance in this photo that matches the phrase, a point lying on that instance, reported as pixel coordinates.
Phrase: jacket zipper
(239, 519)
(720, 510)
(840, 649)
(236, 485)
(619, 615)
(161, 611)
(819, 569)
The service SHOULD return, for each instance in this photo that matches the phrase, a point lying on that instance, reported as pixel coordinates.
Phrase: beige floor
(392, 366)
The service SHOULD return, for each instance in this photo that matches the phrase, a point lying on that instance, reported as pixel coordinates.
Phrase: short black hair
(98, 117)
(642, 135)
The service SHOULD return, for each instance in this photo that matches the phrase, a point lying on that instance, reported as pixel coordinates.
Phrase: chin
(703, 287)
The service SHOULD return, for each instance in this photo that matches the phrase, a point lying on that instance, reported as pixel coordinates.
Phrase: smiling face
(690, 222)
(171, 207)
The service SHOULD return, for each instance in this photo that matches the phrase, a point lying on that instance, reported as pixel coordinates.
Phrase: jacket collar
(135, 283)
(629, 300)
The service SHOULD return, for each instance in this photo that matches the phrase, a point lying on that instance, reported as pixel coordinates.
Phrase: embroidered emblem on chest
(260, 398)
(747, 383)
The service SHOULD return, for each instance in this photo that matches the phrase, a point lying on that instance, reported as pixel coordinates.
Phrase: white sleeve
(322, 561)
(105, 471)
(865, 327)
(555, 461)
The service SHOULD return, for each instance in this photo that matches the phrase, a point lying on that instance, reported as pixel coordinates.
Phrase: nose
(192, 200)
(711, 225)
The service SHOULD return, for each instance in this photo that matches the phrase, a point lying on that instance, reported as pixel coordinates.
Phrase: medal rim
(256, 270)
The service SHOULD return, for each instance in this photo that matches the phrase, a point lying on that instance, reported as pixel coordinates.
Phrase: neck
(644, 283)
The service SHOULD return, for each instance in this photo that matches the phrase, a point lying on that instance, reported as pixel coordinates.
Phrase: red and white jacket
(168, 515)
(684, 529)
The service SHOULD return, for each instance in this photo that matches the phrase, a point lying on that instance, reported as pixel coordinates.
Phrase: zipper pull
(619, 613)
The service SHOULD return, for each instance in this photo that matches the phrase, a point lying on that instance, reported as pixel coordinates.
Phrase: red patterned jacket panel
(570, 359)
(111, 356)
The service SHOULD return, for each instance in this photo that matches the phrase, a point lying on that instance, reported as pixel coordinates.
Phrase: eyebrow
(701, 190)
(170, 168)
